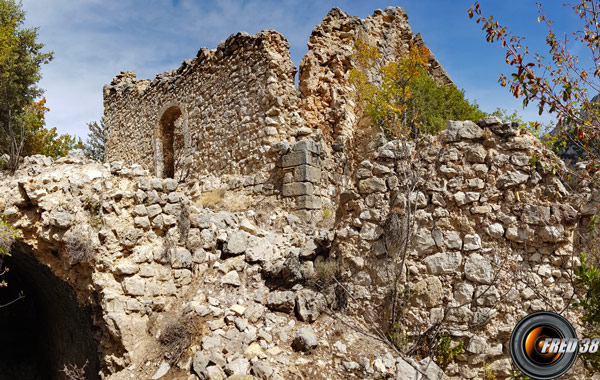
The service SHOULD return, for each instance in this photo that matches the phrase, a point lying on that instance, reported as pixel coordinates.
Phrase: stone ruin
(200, 249)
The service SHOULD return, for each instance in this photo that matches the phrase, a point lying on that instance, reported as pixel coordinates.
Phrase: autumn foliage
(558, 83)
(22, 107)
(401, 98)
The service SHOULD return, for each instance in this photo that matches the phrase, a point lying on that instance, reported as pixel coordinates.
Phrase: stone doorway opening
(45, 330)
(167, 140)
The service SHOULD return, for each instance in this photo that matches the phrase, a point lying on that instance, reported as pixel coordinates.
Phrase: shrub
(446, 352)
(73, 372)
(178, 335)
(79, 245)
(326, 270)
(587, 278)
(8, 234)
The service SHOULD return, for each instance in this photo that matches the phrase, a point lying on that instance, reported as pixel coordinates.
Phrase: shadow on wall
(45, 330)
(167, 140)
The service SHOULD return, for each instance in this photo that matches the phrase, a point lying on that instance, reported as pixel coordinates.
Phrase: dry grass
(178, 335)
(79, 246)
(326, 270)
(212, 199)
(74, 372)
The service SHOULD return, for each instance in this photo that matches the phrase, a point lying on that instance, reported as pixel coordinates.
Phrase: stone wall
(219, 111)
(493, 237)
(149, 258)
(222, 110)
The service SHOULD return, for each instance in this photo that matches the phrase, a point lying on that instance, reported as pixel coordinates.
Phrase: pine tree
(94, 145)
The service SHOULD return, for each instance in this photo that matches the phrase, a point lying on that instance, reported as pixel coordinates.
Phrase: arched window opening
(168, 138)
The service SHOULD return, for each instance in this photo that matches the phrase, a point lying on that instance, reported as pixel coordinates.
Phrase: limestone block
(371, 231)
(463, 292)
(471, 242)
(534, 214)
(476, 154)
(281, 301)
(372, 185)
(181, 258)
(478, 269)
(260, 250)
(453, 240)
(298, 158)
(511, 179)
(297, 188)
(307, 173)
(424, 242)
(307, 145)
(552, 234)
(231, 278)
(237, 242)
(462, 130)
(134, 286)
(443, 262)
(495, 230)
(170, 184)
(310, 202)
(520, 234)
(305, 339)
(429, 291)
(141, 222)
(477, 345)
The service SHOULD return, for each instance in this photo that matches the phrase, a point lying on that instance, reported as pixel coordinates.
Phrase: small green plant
(488, 374)
(398, 336)
(327, 214)
(587, 278)
(93, 207)
(326, 270)
(447, 352)
(518, 375)
(593, 223)
(8, 234)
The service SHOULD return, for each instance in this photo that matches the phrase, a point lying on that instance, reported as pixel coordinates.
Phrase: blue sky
(93, 40)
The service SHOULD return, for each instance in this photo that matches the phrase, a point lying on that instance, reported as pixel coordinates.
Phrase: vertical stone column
(302, 174)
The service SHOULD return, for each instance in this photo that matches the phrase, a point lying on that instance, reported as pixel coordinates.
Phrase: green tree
(401, 98)
(434, 105)
(21, 57)
(94, 145)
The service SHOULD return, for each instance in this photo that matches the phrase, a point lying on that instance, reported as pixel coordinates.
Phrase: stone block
(372, 185)
(298, 158)
(297, 188)
(310, 202)
(462, 130)
(307, 146)
(307, 173)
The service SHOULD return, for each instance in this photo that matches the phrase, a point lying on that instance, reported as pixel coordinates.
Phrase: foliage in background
(401, 98)
(94, 145)
(8, 234)
(22, 109)
(446, 352)
(588, 278)
(557, 83)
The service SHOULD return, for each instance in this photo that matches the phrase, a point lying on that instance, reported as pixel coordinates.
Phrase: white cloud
(94, 40)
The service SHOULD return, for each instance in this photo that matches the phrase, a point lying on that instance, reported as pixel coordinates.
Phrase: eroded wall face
(235, 102)
(327, 97)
